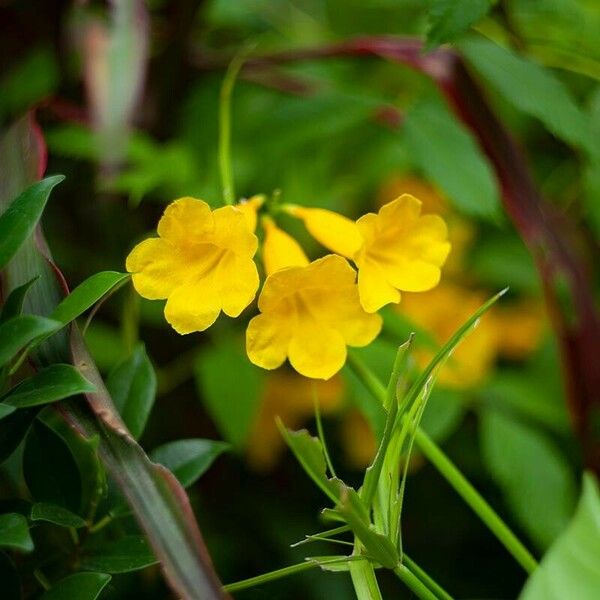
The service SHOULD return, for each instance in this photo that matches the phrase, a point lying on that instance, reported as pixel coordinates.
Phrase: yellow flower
(280, 249)
(201, 263)
(461, 232)
(336, 232)
(395, 249)
(309, 314)
(250, 209)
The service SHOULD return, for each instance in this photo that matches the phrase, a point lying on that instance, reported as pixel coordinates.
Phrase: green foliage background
(313, 131)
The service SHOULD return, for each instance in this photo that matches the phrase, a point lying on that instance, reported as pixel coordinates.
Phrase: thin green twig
(286, 571)
(414, 583)
(435, 587)
(226, 172)
(320, 432)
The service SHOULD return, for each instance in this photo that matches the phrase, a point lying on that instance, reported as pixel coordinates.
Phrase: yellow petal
(330, 272)
(414, 264)
(238, 282)
(334, 231)
(373, 287)
(402, 210)
(367, 226)
(186, 221)
(342, 311)
(268, 338)
(280, 250)
(250, 209)
(316, 350)
(193, 306)
(231, 231)
(157, 268)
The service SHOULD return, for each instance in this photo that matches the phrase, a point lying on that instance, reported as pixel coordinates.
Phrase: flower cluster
(202, 263)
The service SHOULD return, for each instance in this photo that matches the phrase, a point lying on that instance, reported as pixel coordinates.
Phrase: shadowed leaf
(20, 218)
(188, 459)
(14, 533)
(48, 385)
(80, 586)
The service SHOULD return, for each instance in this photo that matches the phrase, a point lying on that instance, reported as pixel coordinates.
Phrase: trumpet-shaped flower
(336, 232)
(309, 314)
(397, 249)
(201, 263)
(280, 249)
(250, 209)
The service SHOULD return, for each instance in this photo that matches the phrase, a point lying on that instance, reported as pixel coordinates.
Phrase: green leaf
(231, 387)
(535, 478)
(130, 553)
(503, 260)
(20, 218)
(80, 586)
(42, 511)
(132, 385)
(86, 294)
(448, 19)
(14, 303)
(84, 451)
(378, 547)
(444, 150)
(5, 410)
(28, 81)
(532, 394)
(531, 89)
(14, 533)
(12, 431)
(571, 568)
(309, 453)
(49, 468)
(17, 332)
(188, 459)
(9, 576)
(53, 383)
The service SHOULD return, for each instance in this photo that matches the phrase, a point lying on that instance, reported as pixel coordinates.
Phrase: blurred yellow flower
(395, 249)
(201, 263)
(280, 249)
(358, 440)
(309, 314)
(441, 312)
(520, 328)
(288, 396)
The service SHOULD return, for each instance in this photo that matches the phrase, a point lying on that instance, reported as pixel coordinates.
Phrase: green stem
(42, 579)
(390, 403)
(320, 431)
(266, 577)
(474, 499)
(414, 583)
(451, 473)
(286, 571)
(322, 534)
(435, 587)
(101, 524)
(364, 580)
(225, 170)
